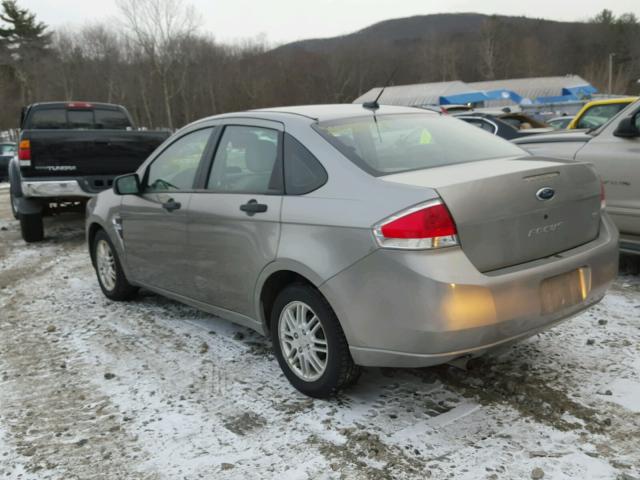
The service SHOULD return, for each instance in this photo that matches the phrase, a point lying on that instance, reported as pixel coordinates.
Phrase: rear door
(154, 224)
(234, 223)
(617, 161)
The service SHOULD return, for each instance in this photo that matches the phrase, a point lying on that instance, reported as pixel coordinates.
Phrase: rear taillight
(422, 227)
(24, 150)
(603, 201)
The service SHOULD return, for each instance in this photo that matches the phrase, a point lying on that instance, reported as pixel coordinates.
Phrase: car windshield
(599, 114)
(7, 149)
(386, 144)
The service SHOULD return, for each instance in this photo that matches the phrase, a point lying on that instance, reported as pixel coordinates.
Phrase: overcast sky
(286, 20)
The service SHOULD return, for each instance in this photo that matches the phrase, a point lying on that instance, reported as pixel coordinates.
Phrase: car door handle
(171, 205)
(252, 207)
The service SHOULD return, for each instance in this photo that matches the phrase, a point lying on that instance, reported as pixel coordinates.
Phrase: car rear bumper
(53, 188)
(83, 187)
(421, 308)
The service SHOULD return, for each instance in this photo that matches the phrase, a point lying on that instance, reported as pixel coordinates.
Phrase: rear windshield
(387, 144)
(63, 118)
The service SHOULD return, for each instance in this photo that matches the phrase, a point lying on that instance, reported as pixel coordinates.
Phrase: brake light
(425, 226)
(24, 150)
(79, 105)
(603, 201)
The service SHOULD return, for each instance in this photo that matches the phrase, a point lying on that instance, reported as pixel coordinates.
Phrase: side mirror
(127, 184)
(627, 128)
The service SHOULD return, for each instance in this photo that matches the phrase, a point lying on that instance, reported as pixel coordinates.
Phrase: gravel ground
(152, 389)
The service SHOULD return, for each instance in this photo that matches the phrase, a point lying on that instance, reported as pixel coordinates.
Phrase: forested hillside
(168, 71)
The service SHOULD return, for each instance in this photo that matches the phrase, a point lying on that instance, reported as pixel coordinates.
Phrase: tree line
(160, 64)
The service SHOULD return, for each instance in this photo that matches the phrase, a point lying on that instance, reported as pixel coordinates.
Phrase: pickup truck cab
(69, 152)
(614, 150)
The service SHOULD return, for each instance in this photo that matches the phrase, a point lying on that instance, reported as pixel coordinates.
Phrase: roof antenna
(375, 105)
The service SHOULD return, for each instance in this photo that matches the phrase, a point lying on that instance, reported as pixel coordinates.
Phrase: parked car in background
(386, 237)
(497, 126)
(7, 151)
(68, 152)
(560, 123)
(614, 150)
(597, 112)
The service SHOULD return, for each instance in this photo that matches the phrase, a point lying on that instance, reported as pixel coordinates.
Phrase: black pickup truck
(69, 152)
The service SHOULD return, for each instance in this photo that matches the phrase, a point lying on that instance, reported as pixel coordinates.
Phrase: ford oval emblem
(545, 193)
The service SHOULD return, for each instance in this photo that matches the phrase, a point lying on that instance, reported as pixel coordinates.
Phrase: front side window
(598, 115)
(246, 161)
(175, 168)
(386, 144)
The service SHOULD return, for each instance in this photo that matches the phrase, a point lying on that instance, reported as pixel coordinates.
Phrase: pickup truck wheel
(31, 227)
(309, 343)
(111, 278)
(14, 209)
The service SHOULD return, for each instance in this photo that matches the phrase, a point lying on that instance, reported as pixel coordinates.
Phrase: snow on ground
(152, 389)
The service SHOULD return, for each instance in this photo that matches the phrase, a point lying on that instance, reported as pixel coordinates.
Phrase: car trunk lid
(502, 215)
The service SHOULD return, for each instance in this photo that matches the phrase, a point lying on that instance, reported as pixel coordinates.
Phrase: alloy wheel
(303, 341)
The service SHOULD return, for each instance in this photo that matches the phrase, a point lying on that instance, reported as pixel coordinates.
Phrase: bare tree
(159, 27)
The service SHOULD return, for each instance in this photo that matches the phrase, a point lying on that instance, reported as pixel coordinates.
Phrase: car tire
(14, 209)
(31, 227)
(337, 370)
(111, 277)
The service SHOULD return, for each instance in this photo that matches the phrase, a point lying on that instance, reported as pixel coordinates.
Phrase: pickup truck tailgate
(89, 152)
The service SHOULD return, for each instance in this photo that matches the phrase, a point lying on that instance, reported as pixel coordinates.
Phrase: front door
(617, 161)
(234, 223)
(154, 223)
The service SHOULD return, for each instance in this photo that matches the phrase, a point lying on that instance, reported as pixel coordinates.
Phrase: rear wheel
(309, 343)
(31, 227)
(111, 278)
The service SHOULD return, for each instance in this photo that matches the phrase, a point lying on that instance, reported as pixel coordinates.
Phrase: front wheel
(309, 343)
(111, 278)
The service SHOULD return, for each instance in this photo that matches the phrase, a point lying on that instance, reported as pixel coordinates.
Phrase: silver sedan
(357, 237)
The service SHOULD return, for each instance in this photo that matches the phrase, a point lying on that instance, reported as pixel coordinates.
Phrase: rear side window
(50, 118)
(387, 144)
(303, 173)
(247, 161)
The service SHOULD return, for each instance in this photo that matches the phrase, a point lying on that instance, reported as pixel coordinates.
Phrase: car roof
(70, 102)
(611, 101)
(329, 112)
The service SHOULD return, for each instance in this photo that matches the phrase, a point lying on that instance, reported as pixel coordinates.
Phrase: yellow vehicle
(597, 112)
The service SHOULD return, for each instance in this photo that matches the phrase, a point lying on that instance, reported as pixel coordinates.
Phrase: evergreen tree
(23, 47)
(22, 30)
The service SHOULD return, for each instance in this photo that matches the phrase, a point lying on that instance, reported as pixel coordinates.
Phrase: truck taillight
(80, 105)
(425, 226)
(603, 201)
(24, 150)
